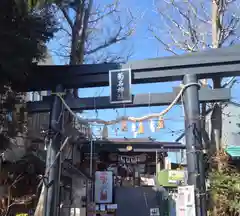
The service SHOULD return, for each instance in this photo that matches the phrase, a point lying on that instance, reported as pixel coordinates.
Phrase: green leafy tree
(25, 30)
(24, 34)
(225, 185)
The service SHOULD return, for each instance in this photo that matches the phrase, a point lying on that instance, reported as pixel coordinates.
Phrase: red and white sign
(185, 204)
(103, 187)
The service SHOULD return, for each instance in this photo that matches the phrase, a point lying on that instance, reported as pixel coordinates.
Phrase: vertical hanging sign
(185, 204)
(120, 82)
(103, 187)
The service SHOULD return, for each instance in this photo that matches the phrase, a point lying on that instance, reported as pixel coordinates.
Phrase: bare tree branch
(111, 40)
(194, 10)
(65, 30)
(67, 17)
(166, 46)
(91, 38)
(192, 32)
(87, 33)
(100, 14)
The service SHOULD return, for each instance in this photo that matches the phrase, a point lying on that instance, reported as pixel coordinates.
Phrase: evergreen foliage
(23, 37)
(225, 185)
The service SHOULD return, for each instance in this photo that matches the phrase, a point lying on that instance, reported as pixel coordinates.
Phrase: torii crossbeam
(222, 62)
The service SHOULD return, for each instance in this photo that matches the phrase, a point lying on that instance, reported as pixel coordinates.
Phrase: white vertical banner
(185, 204)
(103, 187)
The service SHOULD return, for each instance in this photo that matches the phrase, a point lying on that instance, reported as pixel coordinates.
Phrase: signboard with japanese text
(128, 159)
(185, 204)
(176, 176)
(120, 82)
(103, 187)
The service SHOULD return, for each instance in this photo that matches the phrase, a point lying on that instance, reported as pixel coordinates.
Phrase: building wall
(230, 124)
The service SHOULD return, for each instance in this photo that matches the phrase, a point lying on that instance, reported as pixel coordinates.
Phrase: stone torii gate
(188, 68)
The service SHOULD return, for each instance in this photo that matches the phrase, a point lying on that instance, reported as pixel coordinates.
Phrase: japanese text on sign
(120, 85)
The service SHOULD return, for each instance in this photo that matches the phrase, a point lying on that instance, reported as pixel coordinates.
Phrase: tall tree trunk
(216, 23)
(216, 130)
(79, 30)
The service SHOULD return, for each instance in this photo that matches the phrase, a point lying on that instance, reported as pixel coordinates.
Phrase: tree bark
(216, 131)
(216, 21)
(79, 30)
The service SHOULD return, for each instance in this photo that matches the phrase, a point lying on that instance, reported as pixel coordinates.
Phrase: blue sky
(144, 46)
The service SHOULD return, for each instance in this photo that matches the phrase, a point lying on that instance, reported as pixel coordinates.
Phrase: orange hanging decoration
(140, 128)
(160, 124)
(124, 126)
